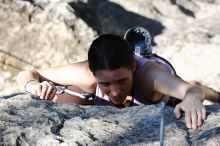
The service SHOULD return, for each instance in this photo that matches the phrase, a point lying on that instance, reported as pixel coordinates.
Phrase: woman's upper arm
(163, 82)
(77, 74)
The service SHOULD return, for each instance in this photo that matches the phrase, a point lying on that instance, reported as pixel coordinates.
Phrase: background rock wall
(42, 33)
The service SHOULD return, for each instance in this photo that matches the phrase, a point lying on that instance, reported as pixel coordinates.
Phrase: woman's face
(116, 84)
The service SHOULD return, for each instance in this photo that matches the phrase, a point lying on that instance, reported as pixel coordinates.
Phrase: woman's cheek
(105, 90)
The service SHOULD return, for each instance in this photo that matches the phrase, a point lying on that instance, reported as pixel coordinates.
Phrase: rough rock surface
(37, 34)
(25, 121)
(42, 33)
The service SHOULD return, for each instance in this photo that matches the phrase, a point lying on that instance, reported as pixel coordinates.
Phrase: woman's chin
(118, 102)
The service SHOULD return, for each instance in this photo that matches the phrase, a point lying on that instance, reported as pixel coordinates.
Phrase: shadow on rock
(12, 95)
(108, 17)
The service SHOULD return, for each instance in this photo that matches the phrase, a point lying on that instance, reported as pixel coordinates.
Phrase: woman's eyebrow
(122, 79)
(109, 81)
(104, 82)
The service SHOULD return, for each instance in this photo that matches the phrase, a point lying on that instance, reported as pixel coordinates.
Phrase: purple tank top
(138, 98)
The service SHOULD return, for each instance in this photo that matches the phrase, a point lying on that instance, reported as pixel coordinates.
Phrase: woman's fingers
(203, 113)
(50, 90)
(193, 119)
(53, 94)
(188, 120)
(177, 111)
(201, 116)
(199, 120)
(43, 91)
(193, 116)
(39, 89)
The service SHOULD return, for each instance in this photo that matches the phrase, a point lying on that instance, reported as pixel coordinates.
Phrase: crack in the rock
(183, 9)
(21, 138)
(55, 129)
(188, 139)
(92, 136)
(35, 4)
(60, 140)
(79, 144)
(84, 115)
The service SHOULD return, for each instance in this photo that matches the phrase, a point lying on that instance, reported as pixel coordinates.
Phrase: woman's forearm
(211, 95)
(26, 76)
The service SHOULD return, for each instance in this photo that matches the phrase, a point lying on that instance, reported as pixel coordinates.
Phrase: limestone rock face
(43, 33)
(26, 121)
(38, 34)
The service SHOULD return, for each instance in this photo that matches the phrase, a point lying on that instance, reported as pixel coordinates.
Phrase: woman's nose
(115, 91)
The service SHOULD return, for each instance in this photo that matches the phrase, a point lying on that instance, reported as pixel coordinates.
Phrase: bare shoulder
(147, 79)
(148, 75)
(150, 71)
(160, 81)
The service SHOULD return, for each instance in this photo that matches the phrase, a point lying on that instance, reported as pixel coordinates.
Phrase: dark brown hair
(110, 52)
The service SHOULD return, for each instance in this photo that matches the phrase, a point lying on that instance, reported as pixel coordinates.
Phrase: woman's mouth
(118, 99)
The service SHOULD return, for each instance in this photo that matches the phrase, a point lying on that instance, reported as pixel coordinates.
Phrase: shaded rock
(111, 17)
(27, 121)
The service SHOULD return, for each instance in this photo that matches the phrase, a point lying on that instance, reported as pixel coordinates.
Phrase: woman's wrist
(198, 92)
(30, 82)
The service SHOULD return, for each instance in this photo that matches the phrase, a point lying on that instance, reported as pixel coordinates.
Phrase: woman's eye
(105, 84)
(121, 81)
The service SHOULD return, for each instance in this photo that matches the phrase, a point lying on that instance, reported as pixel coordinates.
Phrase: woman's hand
(195, 111)
(44, 90)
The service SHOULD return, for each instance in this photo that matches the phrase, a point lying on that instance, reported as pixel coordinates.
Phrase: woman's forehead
(117, 74)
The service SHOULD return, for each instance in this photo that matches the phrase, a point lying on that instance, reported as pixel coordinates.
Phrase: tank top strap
(137, 94)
